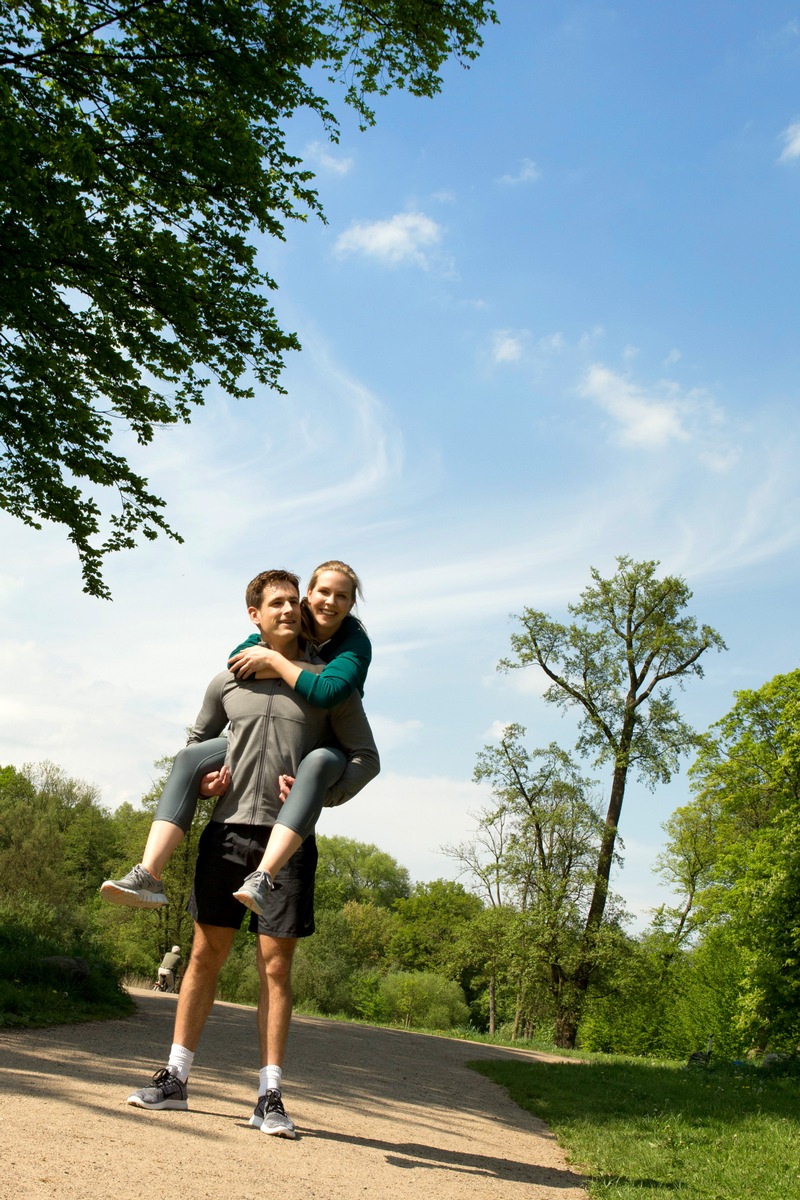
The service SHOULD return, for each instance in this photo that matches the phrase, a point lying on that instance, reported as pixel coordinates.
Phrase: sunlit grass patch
(635, 1127)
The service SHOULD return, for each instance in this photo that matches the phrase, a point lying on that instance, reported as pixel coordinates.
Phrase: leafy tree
(141, 939)
(239, 981)
(371, 933)
(339, 969)
(630, 641)
(429, 925)
(434, 931)
(687, 865)
(746, 781)
(351, 870)
(535, 851)
(325, 965)
(55, 839)
(144, 143)
(655, 999)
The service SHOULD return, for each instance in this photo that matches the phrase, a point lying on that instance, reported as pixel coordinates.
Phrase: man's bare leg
(275, 956)
(210, 949)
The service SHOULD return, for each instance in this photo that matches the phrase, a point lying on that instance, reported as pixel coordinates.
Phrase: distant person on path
(168, 971)
(341, 641)
(272, 729)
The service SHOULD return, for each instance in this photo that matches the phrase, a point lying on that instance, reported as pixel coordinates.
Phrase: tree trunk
(566, 1031)
(492, 1005)
(597, 908)
(517, 1011)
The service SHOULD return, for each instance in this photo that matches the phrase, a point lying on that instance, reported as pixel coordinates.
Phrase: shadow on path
(351, 1089)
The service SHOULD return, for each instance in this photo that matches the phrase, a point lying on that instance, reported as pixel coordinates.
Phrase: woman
(341, 641)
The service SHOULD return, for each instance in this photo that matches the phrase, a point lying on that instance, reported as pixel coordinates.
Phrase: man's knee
(211, 948)
(275, 958)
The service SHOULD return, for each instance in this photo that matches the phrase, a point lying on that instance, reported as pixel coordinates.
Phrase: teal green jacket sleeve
(345, 673)
(253, 640)
(349, 654)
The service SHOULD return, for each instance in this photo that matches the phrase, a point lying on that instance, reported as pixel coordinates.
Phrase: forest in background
(534, 944)
(497, 953)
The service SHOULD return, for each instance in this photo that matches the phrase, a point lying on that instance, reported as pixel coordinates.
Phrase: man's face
(278, 616)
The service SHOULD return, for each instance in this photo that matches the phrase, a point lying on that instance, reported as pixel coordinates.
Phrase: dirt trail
(380, 1113)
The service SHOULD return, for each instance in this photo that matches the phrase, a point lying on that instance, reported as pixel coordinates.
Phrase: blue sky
(552, 319)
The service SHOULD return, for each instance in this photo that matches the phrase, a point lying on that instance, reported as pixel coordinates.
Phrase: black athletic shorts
(227, 853)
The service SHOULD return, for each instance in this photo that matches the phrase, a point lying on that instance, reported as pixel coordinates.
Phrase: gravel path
(380, 1113)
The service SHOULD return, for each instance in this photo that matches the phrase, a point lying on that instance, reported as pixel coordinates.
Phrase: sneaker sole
(116, 895)
(255, 1122)
(284, 1133)
(177, 1105)
(247, 900)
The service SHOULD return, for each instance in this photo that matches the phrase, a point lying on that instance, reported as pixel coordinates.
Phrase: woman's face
(330, 600)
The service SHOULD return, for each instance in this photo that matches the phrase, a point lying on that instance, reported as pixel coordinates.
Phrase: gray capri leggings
(318, 771)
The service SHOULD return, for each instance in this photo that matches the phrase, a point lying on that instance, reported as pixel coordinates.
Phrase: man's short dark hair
(255, 588)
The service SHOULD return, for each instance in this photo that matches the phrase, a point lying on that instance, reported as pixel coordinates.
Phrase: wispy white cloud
(496, 730)
(642, 419)
(390, 734)
(791, 143)
(320, 156)
(413, 816)
(507, 346)
(552, 343)
(591, 337)
(370, 458)
(653, 418)
(511, 346)
(403, 238)
(529, 681)
(528, 172)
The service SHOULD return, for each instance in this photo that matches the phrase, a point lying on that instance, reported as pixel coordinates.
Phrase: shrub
(422, 1000)
(33, 992)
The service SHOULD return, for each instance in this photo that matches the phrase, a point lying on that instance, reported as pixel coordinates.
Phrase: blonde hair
(343, 569)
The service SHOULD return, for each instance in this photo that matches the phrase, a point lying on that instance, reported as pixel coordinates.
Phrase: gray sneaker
(255, 891)
(166, 1091)
(275, 1120)
(137, 889)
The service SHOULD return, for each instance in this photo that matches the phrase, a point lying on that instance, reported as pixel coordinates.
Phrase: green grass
(638, 1128)
(28, 1005)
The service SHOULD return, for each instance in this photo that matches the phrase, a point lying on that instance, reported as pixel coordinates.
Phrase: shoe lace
(163, 1077)
(274, 1103)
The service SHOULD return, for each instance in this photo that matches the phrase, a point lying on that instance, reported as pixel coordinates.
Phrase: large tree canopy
(143, 145)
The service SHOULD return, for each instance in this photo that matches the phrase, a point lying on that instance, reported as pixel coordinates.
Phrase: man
(271, 730)
(168, 971)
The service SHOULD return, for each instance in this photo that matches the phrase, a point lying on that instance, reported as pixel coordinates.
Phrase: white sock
(269, 1080)
(180, 1061)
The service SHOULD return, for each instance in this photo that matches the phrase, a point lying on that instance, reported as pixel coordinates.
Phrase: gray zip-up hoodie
(271, 730)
